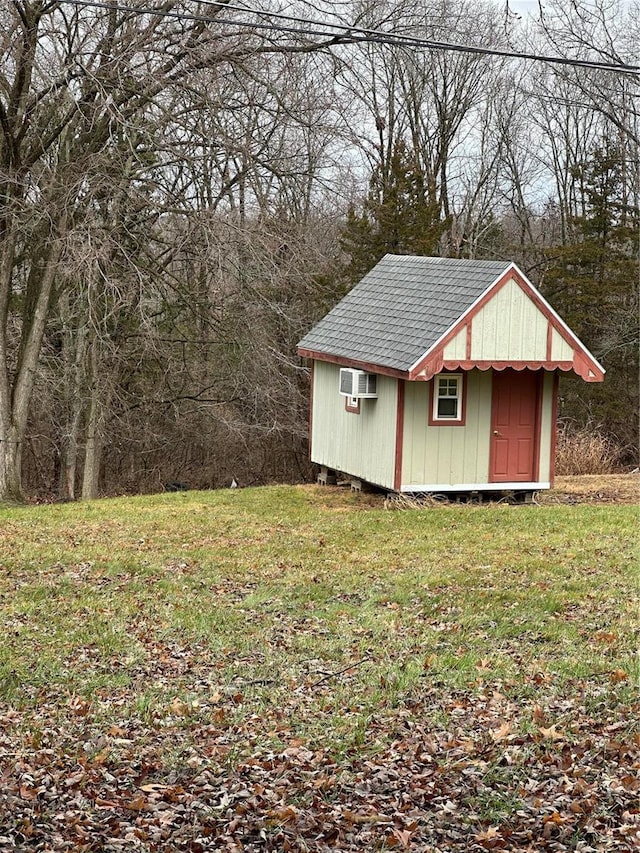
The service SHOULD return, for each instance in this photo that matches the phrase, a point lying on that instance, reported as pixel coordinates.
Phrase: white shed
(441, 375)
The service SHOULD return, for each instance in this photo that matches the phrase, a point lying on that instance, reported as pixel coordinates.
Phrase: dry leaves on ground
(501, 775)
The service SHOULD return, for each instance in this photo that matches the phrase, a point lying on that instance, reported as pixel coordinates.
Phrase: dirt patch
(594, 489)
(585, 489)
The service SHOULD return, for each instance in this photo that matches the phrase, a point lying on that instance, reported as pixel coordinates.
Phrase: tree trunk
(93, 453)
(74, 352)
(11, 466)
(68, 468)
(15, 396)
(93, 446)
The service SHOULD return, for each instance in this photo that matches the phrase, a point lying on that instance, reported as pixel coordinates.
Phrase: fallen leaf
(501, 733)
(630, 783)
(358, 817)
(136, 804)
(70, 781)
(286, 814)
(178, 708)
(539, 717)
(551, 733)
(27, 793)
(618, 675)
(404, 836)
(489, 838)
(606, 637)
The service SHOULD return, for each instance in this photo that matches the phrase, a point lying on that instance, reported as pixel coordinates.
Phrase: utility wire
(345, 34)
(375, 33)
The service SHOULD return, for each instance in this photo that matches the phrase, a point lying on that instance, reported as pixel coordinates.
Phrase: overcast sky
(524, 7)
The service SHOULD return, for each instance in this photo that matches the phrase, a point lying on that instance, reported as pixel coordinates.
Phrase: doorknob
(495, 432)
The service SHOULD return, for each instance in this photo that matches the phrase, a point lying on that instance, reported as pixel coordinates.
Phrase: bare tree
(83, 94)
(439, 104)
(70, 81)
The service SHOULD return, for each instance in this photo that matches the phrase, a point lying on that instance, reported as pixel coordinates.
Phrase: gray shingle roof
(401, 308)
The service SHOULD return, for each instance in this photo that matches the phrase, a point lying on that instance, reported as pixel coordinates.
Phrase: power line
(348, 34)
(347, 28)
(415, 40)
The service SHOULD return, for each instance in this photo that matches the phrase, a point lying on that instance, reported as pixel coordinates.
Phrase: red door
(514, 410)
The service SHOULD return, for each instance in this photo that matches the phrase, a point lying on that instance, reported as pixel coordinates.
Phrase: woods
(184, 192)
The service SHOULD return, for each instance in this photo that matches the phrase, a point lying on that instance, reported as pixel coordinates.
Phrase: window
(448, 398)
(447, 405)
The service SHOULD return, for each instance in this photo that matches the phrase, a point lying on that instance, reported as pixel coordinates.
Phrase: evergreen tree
(399, 216)
(593, 282)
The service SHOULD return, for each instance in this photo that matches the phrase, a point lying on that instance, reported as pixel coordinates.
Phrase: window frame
(461, 398)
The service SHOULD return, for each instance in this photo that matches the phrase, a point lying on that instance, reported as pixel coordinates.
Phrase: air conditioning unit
(357, 383)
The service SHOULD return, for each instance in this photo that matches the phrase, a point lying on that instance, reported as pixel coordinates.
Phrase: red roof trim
(583, 362)
(586, 367)
(437, 365)
(370, 367)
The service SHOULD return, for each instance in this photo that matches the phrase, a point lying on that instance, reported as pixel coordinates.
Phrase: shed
(441, 375)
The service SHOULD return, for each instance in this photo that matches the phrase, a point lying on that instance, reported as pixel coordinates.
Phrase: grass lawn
(297, 668)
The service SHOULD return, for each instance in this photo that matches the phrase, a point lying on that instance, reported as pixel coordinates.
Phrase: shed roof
(401, 308)
(403, 314)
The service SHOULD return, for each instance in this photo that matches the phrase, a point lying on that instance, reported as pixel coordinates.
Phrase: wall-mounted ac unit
(357, 383)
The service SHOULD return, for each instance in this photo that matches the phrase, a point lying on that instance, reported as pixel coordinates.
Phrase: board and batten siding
(509, 327)
(362, 445)
(456, 455)
(446, 455)
(457, 347)
(547, 428)
(560, 349)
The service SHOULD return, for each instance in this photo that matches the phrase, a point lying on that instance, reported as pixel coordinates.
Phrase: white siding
(546, 428)
(560, 349)
(509, 327)
(457, 348)
(447, 454)
(361, 445)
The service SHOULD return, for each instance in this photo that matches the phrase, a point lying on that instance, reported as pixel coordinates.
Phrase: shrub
(584, 450)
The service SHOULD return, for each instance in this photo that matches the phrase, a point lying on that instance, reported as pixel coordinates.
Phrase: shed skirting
(472, 487)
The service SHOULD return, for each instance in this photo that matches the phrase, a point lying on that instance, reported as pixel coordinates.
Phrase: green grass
(469, 672)
(137, 605)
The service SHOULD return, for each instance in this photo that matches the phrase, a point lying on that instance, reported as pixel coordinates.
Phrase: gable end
(509, 325)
